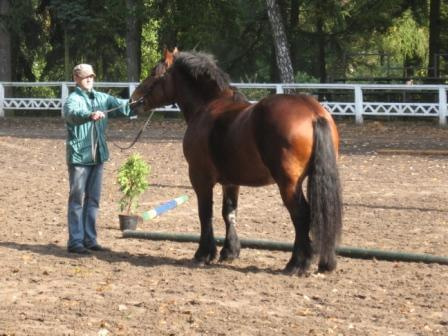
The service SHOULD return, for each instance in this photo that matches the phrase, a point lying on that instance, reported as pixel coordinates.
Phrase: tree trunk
(321, 50)
(67, 74)
(434, 39)
(133, 42)
(293, 32)
(280, 42)
(5, 44)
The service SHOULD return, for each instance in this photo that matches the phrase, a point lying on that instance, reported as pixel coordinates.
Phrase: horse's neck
(190, 109)
(193, 103)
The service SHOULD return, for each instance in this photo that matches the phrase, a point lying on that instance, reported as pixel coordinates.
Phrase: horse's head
(190, 79)
(155, 90)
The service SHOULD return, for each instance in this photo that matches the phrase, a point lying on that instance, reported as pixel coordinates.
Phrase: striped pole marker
(164, 207)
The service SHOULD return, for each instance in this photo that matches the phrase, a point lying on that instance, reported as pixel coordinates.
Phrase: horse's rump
(283, 126)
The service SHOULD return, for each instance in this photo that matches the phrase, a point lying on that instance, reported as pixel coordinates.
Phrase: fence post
(131, 89)
(358, 105)
(64, 95)
(2, 99)
(278, 89)
(442, 106)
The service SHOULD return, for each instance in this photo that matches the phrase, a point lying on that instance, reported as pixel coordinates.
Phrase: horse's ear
(168, 58)
(166, 53)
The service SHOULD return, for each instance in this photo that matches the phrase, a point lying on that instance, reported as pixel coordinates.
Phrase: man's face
(85, 83)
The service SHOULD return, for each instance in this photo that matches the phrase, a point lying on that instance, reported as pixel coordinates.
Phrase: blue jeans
(83, 203)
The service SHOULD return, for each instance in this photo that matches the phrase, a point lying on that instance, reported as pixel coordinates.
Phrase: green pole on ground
(350, 252)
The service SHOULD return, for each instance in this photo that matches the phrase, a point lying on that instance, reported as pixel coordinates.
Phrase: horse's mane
(201, 65)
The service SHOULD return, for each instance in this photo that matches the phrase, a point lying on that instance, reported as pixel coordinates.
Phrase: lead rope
(95, 143)
(138, 134)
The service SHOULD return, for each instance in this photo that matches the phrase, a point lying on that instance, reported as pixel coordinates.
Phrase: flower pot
(129, 222)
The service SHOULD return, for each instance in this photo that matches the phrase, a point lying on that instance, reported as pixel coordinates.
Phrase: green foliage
(150, 46)
(303, 77)
(132, 180)
(235, 31)
(357, 38)
(379, 41)
(72, 14)
(406, 39)
(28, 40)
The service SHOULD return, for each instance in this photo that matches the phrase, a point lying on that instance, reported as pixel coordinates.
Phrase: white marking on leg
(232, 217)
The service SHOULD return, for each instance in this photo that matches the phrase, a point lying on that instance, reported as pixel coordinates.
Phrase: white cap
(83, 70)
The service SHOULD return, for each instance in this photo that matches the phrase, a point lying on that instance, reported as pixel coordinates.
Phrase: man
(86, 152)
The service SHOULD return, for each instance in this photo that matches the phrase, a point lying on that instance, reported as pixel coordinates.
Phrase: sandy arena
(393, 200)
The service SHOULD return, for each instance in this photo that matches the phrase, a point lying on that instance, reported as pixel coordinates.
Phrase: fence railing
(353, 100)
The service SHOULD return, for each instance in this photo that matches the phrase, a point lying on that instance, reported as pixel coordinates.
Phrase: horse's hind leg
(232, 246)
(299, 211)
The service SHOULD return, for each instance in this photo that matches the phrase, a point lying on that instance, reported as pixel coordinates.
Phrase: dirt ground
(392, 201)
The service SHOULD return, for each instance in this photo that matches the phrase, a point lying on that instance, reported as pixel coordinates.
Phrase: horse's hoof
(303, 273)
(228, 256)
(326, 267)
(197, 263)
(226, 259)
(202, 260)
(290, 270)
(294, 269)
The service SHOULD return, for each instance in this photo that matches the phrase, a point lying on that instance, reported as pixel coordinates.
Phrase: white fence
(357, 101)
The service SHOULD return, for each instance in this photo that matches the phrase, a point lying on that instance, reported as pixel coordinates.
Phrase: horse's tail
(324, 196)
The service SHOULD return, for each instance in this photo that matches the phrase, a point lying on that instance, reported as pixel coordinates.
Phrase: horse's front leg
(232, 246)
(206, 251)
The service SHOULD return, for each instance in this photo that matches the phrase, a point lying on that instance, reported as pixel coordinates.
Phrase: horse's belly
(252, 181)
(244, 172)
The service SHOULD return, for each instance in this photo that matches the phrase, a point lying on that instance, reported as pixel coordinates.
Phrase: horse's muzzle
(137, 105)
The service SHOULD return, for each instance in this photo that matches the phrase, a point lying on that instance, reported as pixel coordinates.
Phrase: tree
(280, 42)
(243, 46)
(5, 44)
(434, 38)
(321, 42)
(292, 31)
(347, 36)
(258, 39)
(83, 31)
(133, 41)
(406, 40)
(70, 16)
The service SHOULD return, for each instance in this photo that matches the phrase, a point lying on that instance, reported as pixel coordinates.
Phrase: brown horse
(282, 139)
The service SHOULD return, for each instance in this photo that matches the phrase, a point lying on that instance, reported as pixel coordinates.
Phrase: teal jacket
(86, 139)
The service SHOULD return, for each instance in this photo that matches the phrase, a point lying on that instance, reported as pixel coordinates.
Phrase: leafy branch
(132, 180)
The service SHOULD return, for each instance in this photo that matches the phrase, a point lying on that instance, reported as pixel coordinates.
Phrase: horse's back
(289, 112)
(250, 144)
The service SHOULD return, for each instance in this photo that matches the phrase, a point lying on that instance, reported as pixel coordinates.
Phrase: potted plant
(132, 180)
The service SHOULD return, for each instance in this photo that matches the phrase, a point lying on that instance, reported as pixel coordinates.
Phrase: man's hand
(97, 115)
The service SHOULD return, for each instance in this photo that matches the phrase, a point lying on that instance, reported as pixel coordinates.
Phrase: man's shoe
(78, 250)
(97, 247)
